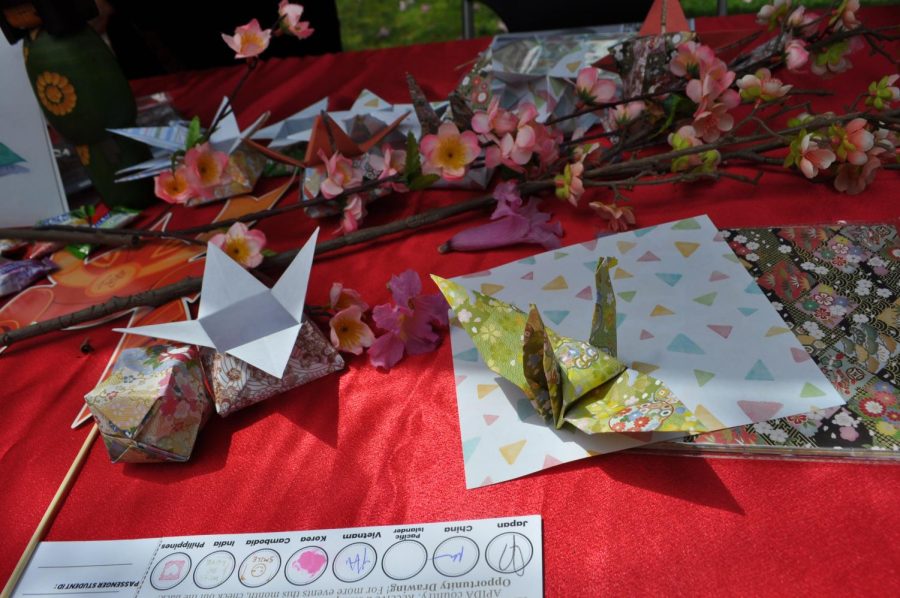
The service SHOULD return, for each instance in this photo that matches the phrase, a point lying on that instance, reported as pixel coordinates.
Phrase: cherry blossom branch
(639, 167)
(300, 205)
(191, 285)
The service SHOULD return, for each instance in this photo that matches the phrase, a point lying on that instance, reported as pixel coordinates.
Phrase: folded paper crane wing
(172, 137)
(567, 380)
(240, 316)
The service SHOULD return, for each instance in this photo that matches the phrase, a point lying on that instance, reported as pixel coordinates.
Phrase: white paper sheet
(487, 557)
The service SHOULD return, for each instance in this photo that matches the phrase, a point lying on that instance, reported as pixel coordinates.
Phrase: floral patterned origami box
(152, 405)
(244, 168)
(235, 384)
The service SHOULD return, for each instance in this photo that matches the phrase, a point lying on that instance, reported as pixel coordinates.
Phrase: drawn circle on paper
(214, 569)
(259, 568)
(354, 562)
(306, 565)
(170, 571)
(455, 556)
(404, 560)
(509, 552)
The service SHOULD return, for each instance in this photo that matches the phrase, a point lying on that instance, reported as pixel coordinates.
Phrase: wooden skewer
(50, 514)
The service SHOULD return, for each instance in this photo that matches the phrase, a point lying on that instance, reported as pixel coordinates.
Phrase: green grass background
(383, 23)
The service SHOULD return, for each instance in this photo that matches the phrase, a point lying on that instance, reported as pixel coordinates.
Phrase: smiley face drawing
(259, 568)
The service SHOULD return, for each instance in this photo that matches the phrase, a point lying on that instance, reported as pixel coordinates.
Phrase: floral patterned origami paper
(152, 405)
(566, 380)
(235, 384)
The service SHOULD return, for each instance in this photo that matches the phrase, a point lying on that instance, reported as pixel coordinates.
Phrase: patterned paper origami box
(244, 167)
(152, 405)
(235, 384)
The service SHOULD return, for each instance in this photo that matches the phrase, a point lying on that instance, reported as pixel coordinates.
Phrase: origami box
(235, 384)
(244, 167)
(152, 405)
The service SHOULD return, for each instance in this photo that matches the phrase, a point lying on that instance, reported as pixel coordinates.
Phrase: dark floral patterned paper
(838, 290)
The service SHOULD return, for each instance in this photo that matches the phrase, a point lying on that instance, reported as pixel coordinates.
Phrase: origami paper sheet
(687, 313)
(569, 381)
(240, 316)
(838, 288)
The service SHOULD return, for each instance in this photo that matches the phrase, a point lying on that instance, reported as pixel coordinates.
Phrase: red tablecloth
(368, 447)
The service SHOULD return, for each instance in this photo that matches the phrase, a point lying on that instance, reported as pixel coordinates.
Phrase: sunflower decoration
(56, 93)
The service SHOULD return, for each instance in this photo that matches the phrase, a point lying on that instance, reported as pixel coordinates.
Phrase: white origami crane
(240, 316)
(170, 138)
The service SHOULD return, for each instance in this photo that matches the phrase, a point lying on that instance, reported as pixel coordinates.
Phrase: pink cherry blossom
(248, 40)
(348, 332)
(853, 141)
(409, 323)
(390, 163)
(516, 149)
(714, 79)
(546, 144)
(689, 58)
(290, 14)
(835, 58)
(449, 152)
(772, 14)
(762, 87)
(853, 179)
(205, 169)
(625, 113)
(173, 187)
(684, 137)
(796, 55)
(813, 158)
(352, 214)
(592, 89)
(241, 244)
(845, 15)
(802, 21)
(883, 93)
(887, 140)
(340, 174)
(569, 185)
(715, 120)
(496, 120)
(511, 223)
(619, 217)
(340, 297)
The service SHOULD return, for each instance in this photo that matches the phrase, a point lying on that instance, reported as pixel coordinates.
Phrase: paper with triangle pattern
(716, 355)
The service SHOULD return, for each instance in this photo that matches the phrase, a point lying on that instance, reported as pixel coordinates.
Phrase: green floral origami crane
(567, 380)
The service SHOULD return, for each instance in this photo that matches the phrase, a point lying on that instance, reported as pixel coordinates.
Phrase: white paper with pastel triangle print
(688, 313)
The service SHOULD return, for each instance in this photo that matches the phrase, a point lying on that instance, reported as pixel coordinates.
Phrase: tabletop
(368, 447)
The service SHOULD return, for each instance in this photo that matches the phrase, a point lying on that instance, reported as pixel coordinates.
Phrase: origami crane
(367, 116)
(569, 381)
(353, 133)
(240, 316)
(170, 138)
